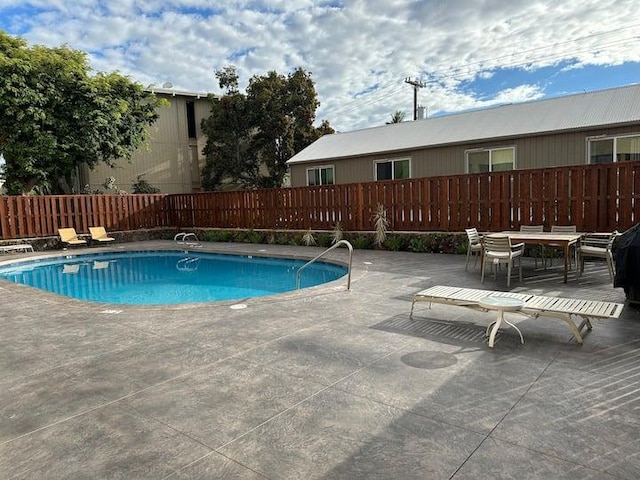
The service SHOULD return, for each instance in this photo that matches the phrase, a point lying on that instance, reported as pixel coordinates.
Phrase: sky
(466, 54)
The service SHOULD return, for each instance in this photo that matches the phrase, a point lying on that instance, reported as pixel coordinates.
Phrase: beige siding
(170, 160)
(557, 149)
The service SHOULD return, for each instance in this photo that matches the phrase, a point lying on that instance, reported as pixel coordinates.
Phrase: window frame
(490, 150)
(601, 138)
(320, 167)
(393, 170)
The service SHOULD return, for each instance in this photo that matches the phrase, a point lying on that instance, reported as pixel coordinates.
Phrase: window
(191, 119)
(614, 149)
(491, 160)
(392, 169)
(320, 176)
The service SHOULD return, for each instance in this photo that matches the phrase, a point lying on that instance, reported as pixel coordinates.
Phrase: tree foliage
(56, 115)
(397, 117)
(252, 135)
(228, 132)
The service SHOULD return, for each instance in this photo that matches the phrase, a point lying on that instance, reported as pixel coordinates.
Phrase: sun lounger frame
(68, 236)
(533, 305)
(25, 247)
(99, 234)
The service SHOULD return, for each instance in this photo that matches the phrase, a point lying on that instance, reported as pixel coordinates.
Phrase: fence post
(360, 206)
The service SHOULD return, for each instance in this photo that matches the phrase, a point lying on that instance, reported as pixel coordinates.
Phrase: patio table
(563, 240)
(501, 305)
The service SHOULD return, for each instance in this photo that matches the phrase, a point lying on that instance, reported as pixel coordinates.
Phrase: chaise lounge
(69, 236)
(99, 234)
(531, 305)
(18, 247)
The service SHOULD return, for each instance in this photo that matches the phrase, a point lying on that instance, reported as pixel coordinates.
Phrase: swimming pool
(166, 277)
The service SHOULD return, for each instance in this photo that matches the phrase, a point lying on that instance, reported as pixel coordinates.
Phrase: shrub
(337, 233)
(324, 239)
(282, 238)
(254, 237)
(142, 186)
(296, 239)
(382, 223)
(217, 236)
(308, 239)
(418, 243)
(395, 242)
(362, 242)
(239, 236)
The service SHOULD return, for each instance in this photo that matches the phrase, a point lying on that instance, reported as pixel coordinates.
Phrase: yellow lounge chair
(70, 237)
(99, 234)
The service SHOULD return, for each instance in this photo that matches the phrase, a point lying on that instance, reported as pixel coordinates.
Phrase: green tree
(397, 117)
(228, 131)
(56, 115)
(262, 128)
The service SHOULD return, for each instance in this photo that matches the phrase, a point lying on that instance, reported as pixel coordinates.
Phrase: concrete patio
(322, 383)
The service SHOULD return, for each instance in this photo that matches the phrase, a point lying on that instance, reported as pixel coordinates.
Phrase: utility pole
(416, 84)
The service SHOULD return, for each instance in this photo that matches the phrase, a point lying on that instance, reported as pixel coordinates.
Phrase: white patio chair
(594, 246)
(537, 251)
(498, 249)
(474, 247)
(563, 229)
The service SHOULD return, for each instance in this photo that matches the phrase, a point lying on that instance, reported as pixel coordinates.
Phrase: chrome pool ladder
(188, 239)
(335, 245)
(188, 264)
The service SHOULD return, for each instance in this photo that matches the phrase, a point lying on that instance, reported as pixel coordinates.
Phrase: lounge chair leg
(575, 329)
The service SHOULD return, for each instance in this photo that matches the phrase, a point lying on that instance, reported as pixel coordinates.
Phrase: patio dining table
(562, 240)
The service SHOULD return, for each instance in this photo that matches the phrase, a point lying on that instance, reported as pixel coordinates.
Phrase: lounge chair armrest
(517, 246)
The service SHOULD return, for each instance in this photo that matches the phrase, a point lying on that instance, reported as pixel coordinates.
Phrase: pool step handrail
(335, 245)
(188, 239)
(188, 264)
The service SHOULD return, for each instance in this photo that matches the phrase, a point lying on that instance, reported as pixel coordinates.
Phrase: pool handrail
(335, 245)
(189, 239)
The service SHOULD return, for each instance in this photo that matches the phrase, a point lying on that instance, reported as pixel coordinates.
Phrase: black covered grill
(627, 260)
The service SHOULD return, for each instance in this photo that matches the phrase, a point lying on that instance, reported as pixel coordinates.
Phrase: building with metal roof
(591, 127)
(171, 160)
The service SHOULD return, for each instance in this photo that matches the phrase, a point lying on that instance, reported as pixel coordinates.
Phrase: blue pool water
(167, 277)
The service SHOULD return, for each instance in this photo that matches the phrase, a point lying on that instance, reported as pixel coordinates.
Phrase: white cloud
(359, 51)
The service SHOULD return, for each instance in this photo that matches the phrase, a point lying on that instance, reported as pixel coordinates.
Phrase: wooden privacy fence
(592, 197)
(41, 216)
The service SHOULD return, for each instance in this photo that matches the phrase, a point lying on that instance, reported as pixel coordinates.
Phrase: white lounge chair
(18, 247)
(532, 305)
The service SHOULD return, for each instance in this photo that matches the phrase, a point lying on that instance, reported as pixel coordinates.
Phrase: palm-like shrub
(381, 223)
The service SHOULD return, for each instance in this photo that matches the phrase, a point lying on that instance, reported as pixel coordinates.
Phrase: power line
(453, 72)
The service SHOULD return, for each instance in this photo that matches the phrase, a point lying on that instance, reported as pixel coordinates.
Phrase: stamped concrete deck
(319, 384)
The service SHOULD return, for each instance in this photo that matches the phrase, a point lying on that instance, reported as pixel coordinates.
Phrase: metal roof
(171, 92)
(615, 106)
